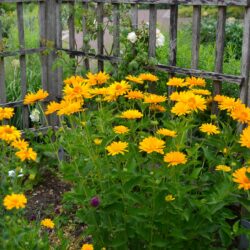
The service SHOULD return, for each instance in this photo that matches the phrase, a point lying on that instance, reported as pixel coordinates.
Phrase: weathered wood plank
(2, 72)
(116, 33)
(52, 84)
(71, 24)
(20, 24)
(134, 16)
(43, 42)
(201, 73)
(59, 70)
(85, 32)
(245, 62)
(220, 44)
(152, 30)
(22, 52)
(174, 2)
(171, 69)
(100, 34)
(196, 26)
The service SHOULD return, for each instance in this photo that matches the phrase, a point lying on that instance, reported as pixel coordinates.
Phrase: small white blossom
(12, 173)
(231, 20)
(160, 40)
(35, 115)
(132, 37)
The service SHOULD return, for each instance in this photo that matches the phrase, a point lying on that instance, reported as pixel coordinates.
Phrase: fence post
(2, 76)
(52, 85)
(245, 63)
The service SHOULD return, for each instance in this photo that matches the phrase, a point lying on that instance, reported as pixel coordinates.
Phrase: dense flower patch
(148, 171)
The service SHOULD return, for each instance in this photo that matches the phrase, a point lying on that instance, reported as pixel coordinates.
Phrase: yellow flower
(20, 144)
(117, 148)
(157, 107)
(166, 132)
(68, 108)
(169, 198)
(74, 80)
(98, 141)
(227, 103)
(97, 79)
(9, 133)
(6, 113)
(76, 92)
(14, 201)
(223, 168)
(102, 77)
(219, 98)
(48, 223)
(180, 109)
(175, 96)
(87, 247)
(52, 107)
(201, 91)
(134, 79)
(153, 98)
(134, 95)
(131, 114)
(193, 81)
(152, 144)
(209, 128)
(177, 82)
(98, 91)
(148, 77)
(241, 113)
(120, 129)
(245, 138)
(34, 97)
(26, 154)
(175, 158)
(119, 88)
(240, 177)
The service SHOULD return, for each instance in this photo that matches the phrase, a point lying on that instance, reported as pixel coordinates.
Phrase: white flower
(158, 32)
(34, 116)
(20, 175)
(231, 20)
(160, 39)
(12, 173)
(132, 37)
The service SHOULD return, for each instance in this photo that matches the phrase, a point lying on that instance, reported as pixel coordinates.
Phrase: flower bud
(95, 201)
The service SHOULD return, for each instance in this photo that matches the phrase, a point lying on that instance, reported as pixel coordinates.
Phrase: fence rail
(51, 42)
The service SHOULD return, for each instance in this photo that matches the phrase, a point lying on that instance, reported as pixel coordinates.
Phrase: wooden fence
(51, 41)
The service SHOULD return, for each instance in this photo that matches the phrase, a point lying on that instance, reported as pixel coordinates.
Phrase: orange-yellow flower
(120, 129)
(223, 168)
(136, 94)
(193, 81)
(20, 144)
(131, 114)
(241, 113)
(14, 201)
(26, 154)
(116, 148)
(48, 223)
(148, 77)
(227, 103)
(209, 129)
(180, 109)
(134, 79)
(87, 247)
(152, 144)
(119, 88)
(34, 97)
(69, 108)
(74, 80)
(245, 138)
(166, 132)
(175, 158)
(157, 107)
(52, 107)
(153, 98)
(97, 79)
(6, 113)
(240, 176)
(9, 133)
(177, 82)
(201, 92)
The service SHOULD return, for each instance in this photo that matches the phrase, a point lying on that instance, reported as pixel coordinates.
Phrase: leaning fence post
(2, 75)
